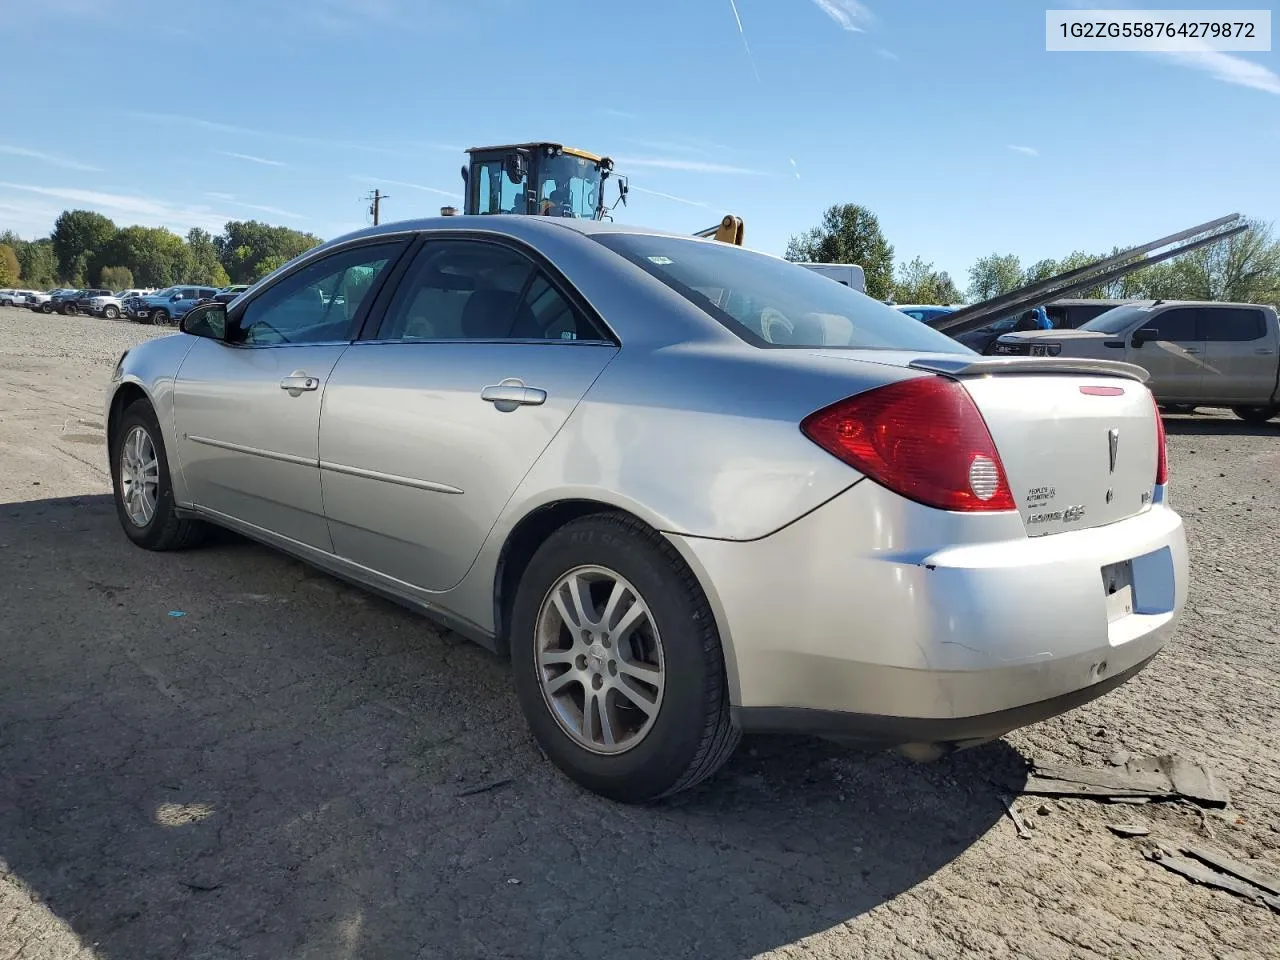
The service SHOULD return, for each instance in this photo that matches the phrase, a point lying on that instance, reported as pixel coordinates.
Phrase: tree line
(86, 248)
(1242, 269)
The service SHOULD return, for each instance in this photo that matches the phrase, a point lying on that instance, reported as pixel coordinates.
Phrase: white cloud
(617, 114)
(1026, 151)
(850, 14)
(252, 159)
(148, 211)
(1226, 67)
(215, 195)
(672, 196)
(451, 194)
(49, 158)
(690, 166)
(886, 54)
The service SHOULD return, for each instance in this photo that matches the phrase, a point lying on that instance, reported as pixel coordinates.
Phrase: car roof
(520, 226)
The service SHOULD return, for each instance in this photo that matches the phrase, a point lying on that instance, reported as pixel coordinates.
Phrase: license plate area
(1117, 586)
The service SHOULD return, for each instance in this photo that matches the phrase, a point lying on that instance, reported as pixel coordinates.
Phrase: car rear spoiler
(1091, 275)
(962, 367)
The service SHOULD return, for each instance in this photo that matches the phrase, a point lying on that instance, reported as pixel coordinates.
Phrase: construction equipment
(550, 179)
(728, 230)
(1091, 275)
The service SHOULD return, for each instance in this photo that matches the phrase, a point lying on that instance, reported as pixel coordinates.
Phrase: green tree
(79, 237)
(245, 246)
(116, 278)
(267, 265)
(39, 265)
(10, 270)
(155, 256)
(849, 233)
(1242, 269)
(918, 282)
(205, 265)
(993, 275)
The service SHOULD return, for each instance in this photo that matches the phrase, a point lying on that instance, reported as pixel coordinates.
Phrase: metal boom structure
(1090, 275)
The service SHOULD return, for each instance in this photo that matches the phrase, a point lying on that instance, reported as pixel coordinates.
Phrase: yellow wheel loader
(551, 180)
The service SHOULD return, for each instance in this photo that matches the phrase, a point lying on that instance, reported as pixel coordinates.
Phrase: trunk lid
(1079, 449)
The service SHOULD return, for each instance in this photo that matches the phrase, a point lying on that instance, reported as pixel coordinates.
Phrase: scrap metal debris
(1023, 832)
(1140, 780)
(1128, 829)
(1228, 877)
(1220, 861)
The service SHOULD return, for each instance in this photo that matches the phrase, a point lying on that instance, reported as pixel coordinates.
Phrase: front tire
(111, 313)
(160, 318)
(1256, 414)
(143, 487)
(617, 662)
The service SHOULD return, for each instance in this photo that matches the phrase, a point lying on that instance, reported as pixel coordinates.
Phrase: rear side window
(1178, 324)
(771, 303)
(1232, 323)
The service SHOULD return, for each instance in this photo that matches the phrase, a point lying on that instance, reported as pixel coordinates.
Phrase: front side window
(468, 290)
(1177, 325)
(771, 303)
(320, 302)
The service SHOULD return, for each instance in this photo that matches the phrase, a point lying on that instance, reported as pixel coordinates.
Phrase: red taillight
(1162, 457)
(922, 438)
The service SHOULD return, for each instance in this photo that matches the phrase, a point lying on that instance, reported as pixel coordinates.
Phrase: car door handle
(1190, 350)
(512, 390)
(298, 381)
(1264, 352)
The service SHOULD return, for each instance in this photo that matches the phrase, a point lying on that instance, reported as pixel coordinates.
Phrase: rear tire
(135, 443)
(111, 313)
(648, 754)
(1257, 414)
(160, 318)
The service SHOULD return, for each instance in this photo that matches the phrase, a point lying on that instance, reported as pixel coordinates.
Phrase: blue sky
(947, 119)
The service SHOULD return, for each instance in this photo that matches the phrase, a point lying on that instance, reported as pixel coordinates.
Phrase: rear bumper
(849, 622)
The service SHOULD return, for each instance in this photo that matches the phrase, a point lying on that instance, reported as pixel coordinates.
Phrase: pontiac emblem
(1113, 445)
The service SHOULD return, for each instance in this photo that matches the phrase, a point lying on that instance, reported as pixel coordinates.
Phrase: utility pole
(375, 205)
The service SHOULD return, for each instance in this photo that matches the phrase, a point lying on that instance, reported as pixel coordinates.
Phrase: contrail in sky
(746, 46)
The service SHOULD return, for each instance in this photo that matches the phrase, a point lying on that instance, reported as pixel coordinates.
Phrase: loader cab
(544, 179)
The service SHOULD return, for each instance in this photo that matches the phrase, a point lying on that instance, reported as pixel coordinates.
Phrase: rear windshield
(773, 303)
(1113, 321)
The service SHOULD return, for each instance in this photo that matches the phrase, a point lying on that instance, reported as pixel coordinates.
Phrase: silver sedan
(689, 489)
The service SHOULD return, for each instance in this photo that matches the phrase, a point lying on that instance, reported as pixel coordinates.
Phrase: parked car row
(15, 298)
(153, 306)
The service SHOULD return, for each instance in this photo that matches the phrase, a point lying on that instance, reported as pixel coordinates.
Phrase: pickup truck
(1199, 354)
(168, 305)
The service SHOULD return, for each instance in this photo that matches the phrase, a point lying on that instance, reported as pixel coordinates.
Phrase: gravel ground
(280, 772)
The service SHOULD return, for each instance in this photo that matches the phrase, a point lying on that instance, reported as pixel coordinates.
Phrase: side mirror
(1145, 335)
(208, 320)
(514, 166)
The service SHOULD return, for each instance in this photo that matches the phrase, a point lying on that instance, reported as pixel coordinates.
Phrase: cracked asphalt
(222, 753)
